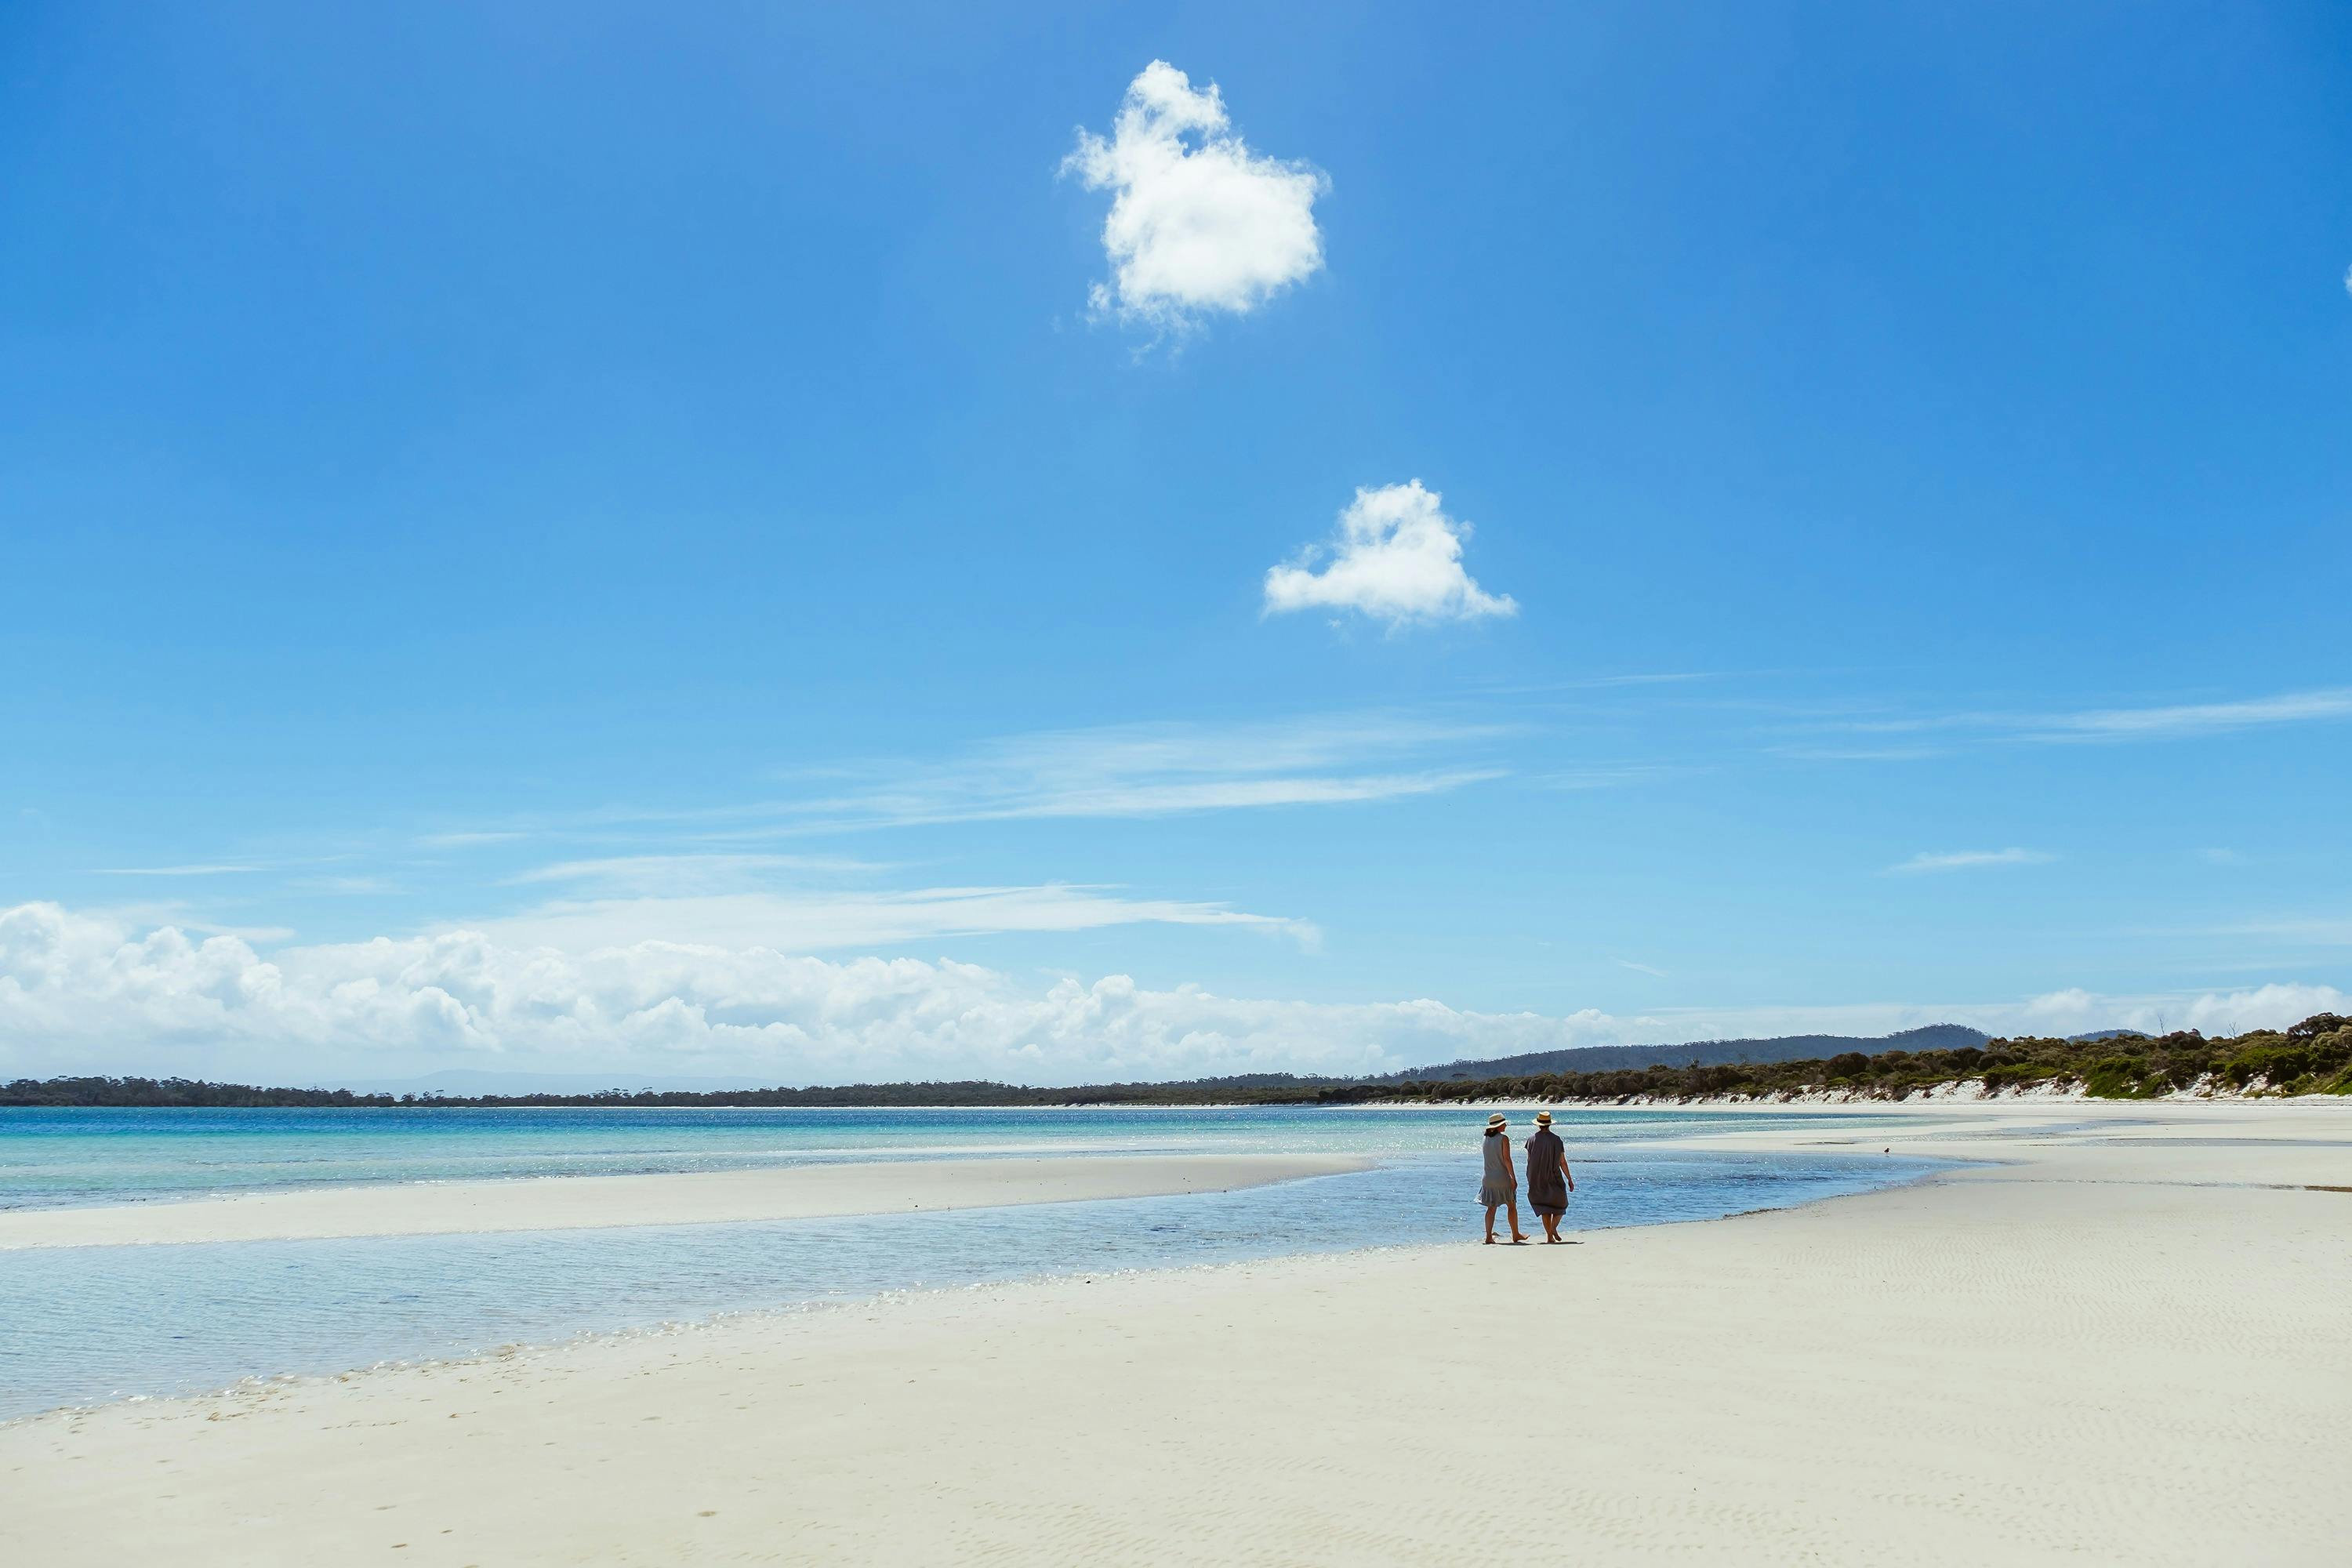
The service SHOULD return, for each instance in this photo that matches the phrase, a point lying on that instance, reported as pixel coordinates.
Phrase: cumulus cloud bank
(1198, 222)
(1397, 557)
(92, 993)
(89, 991)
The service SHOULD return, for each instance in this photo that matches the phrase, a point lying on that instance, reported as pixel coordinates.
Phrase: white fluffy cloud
(1397, 557)
(91, 993)
(80, 992)
(1198, 222)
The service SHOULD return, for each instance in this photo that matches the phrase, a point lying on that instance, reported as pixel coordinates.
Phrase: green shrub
(2021, 1075)
(2124, 1078)
(2280, 1064)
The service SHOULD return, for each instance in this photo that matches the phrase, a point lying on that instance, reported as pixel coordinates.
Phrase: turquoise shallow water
(51, 1158)
(96, 1324)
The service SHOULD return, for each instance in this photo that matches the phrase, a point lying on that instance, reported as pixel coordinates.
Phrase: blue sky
(604, 540)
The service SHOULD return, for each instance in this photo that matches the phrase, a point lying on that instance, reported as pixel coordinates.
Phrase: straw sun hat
(1543, 1118)
(1496, 1120)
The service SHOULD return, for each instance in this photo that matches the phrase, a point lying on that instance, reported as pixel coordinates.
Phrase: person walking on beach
(1501, 1186)
(1549, 1181)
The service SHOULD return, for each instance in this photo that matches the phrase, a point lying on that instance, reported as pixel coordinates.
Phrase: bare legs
(1551, 1224)
(1516, 1234)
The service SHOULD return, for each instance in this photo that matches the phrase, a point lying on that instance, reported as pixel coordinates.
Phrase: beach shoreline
(2018, 1359)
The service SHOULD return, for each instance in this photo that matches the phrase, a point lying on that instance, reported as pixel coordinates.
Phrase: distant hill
(1705, 1053)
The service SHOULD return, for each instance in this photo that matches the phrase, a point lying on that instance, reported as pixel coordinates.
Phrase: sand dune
(700, 1197)
(2101, 1352)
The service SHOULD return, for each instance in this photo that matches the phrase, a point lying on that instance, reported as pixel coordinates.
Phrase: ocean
(88, 1324)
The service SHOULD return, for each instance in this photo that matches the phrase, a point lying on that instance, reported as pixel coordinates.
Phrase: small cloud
(1968, 859)
(1639, 968)
(2220, 856)
(1396, 557)
(1198, 222)
(464, 840)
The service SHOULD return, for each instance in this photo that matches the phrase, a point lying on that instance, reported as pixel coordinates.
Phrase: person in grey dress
(1549, 1181)
(1500, 1186)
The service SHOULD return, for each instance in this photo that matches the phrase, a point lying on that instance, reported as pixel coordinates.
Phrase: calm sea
(85, 1325)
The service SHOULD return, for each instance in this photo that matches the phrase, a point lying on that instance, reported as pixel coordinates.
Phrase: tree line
(2314, 1057)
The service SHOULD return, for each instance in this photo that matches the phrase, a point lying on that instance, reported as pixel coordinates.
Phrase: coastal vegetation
(160, 1093)
(2314, 1057)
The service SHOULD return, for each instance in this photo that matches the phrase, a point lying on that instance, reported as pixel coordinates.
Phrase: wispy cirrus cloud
(346, 887)
(198, 870)
(1969, 859)
(1168, 769)
(1137, 771)
(2163, 721)
(689, 873)
(2301, 931)
(1105, 772)
(797, 903)
(2195, 718)
(805, 920)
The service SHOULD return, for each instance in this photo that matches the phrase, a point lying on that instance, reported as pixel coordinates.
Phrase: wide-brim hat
(1543, 1118)
(1497, 1119)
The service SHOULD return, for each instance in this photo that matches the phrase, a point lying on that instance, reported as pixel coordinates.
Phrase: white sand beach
(2124, 1343)
(697, 1197)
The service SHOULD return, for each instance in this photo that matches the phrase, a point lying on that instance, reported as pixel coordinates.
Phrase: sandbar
(695, 1198)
